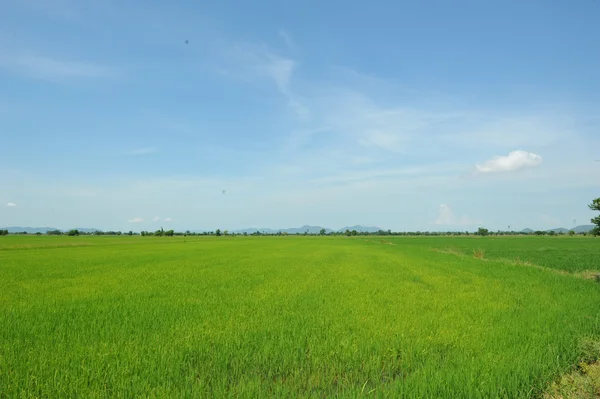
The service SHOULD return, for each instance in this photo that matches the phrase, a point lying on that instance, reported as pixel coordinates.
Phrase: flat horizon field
(445, 317)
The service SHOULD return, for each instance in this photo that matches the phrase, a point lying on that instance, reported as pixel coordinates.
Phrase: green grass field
(293, 316)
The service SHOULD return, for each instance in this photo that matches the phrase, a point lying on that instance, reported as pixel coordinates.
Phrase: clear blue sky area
(408, 115)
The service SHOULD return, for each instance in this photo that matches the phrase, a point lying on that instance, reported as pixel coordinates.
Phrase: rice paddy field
(405, 317)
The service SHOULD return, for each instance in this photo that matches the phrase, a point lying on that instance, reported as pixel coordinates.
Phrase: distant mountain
(253, 230)
(361, 229)
(305, 229)
(28, 230)
(559, 230)
(584, 228)
(33, 230)
(309, 229)
(579, 229)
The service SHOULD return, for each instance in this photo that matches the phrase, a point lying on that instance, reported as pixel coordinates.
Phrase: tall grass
(280, 317)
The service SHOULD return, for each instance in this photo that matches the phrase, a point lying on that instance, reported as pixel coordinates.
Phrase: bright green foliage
(286, 317)
(595, 206)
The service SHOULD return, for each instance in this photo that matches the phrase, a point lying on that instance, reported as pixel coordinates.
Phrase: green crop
(100, 317)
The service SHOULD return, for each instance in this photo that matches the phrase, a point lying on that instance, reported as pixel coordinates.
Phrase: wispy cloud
(155, 219)
(136, 220)
(446, 217)
(11, 205)
(143, 151)
(287, 39)
(259, 62)
(515, 160)
(168, 220)
(46, 67)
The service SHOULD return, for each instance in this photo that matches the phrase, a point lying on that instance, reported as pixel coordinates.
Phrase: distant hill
(308, 229)
(253, 230)
(584, 228)
(361, 229)
(33, 230)
(305, 229)
(28, 230)
(559, 230)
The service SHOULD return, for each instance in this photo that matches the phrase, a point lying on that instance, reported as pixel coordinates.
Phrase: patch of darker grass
(479, 253)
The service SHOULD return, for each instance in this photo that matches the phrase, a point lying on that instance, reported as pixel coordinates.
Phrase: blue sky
(415, 115)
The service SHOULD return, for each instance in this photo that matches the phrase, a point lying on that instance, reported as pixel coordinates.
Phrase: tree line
(349, 233)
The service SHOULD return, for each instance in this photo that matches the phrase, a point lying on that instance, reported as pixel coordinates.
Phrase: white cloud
(155, 219)
(11, 204)
(447, 217)
(168, 220)
(514, 161)
(136, 220)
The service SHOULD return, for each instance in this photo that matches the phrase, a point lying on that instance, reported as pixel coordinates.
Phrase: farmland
(293, 316)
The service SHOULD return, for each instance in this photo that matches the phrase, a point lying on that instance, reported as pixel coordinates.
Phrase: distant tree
(218, 232)
(38, 234)
(354, 232)
(571, 233)
(322, 232)
(54, 232)
(3, 232)
(169, 233)
(539, 233)
(482, 232)
(130, 233)
(552, 233)
(595, 206)
(73, 232)
(348, 233)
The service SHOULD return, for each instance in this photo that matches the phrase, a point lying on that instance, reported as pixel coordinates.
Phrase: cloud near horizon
(136, 220)
(514, 161)
(447, 217)
(11, 205)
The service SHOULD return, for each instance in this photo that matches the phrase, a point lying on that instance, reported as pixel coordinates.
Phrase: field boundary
(480, 255)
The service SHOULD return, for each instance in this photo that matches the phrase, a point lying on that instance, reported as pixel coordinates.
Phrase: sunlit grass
(282, 317)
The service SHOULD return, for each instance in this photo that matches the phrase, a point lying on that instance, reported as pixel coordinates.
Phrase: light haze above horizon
(405, 115)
